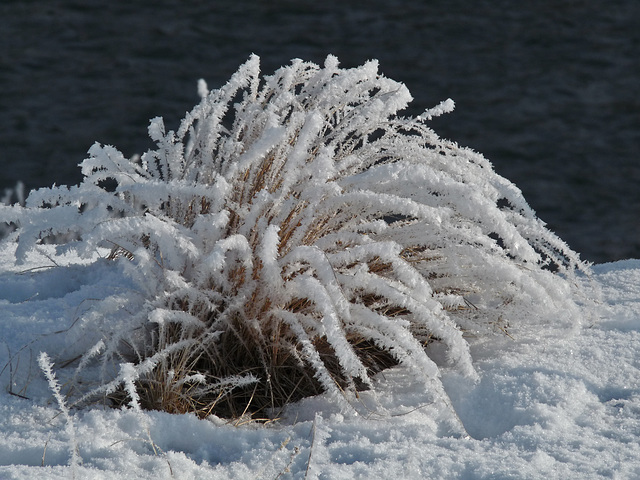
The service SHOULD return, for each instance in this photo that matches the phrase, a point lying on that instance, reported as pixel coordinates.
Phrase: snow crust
(557, 403)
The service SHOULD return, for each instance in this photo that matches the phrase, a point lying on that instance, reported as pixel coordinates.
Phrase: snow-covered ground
(553, 404)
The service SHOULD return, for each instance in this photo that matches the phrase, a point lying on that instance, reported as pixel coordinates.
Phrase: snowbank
(556, 404)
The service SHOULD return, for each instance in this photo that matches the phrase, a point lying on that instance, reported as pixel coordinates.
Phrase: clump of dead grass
(296, 236)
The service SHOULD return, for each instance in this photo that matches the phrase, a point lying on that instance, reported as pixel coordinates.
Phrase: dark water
(547, 90)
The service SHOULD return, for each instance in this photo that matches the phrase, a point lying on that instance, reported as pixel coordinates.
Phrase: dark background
(549, 91)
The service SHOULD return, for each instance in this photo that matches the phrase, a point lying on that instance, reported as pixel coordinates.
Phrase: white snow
(318, 192)
(549, 404)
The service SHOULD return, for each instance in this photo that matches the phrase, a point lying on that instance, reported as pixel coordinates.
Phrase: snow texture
(553, 404)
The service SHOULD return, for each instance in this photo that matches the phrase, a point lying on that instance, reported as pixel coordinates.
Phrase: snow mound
(554, 406)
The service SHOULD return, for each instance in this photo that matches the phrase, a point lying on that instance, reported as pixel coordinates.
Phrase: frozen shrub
(10, 196)
(296, 236)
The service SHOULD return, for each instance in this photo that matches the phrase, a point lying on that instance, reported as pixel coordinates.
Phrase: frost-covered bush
(296, 236)
(11, 196)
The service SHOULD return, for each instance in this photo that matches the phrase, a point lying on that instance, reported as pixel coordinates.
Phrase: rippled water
(547, 90)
